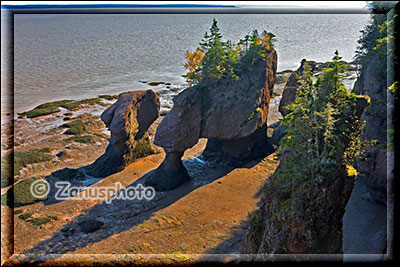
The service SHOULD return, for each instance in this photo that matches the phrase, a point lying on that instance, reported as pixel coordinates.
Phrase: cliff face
(302, 216)
(232, 116)
(372, 164)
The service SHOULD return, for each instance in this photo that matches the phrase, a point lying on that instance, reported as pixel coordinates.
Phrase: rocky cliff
(128, 120)
(232, 116)
(301, 215)
(372, 163)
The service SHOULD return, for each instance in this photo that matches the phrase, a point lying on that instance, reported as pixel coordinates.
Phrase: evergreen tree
(217, 61)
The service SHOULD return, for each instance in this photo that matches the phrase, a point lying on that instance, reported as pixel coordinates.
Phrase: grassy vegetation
(53, 104)
(38, 221)
(42, 220)
(25, 216)
(53, 107)
(84, 139)
(74, 105)
(22, 193)
(21, 159)
(41, 112)
(44, 109)
(76, 127)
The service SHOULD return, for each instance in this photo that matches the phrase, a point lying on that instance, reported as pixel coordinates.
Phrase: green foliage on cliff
(375, 38)
(216, 60)
(323, 131)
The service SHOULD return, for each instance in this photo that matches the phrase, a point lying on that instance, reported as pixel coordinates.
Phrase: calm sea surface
(83, 55)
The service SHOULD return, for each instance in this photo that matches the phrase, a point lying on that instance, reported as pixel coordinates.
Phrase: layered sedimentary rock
(128, 120)
(372, 164)
(232, 116)
(289, 93)
(303, 217)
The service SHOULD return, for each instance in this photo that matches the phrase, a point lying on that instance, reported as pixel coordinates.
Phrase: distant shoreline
(165, 89)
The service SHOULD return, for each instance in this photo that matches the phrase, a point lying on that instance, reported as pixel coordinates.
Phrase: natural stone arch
(232, 116)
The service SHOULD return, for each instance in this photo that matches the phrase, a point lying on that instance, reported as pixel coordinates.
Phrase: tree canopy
(216, 60)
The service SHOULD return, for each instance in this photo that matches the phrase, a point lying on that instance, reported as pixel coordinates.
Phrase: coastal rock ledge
(232, 116)
(128, 120)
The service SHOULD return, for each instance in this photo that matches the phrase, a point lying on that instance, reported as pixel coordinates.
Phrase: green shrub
(323, 130)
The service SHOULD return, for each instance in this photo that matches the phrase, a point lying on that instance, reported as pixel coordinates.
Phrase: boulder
(232, 116)
(290, 90)
(128, 120)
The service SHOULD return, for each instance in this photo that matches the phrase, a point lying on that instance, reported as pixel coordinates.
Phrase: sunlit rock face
(232, 116)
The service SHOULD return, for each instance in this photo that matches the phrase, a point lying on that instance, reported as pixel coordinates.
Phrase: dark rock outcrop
(289, 93)
(128, 120)
(372, 164)
(232, 116)
(302, 217)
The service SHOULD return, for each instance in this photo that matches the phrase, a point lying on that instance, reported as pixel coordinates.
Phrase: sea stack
(232, 116)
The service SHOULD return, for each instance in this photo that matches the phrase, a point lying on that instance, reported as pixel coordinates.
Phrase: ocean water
(73, 56)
